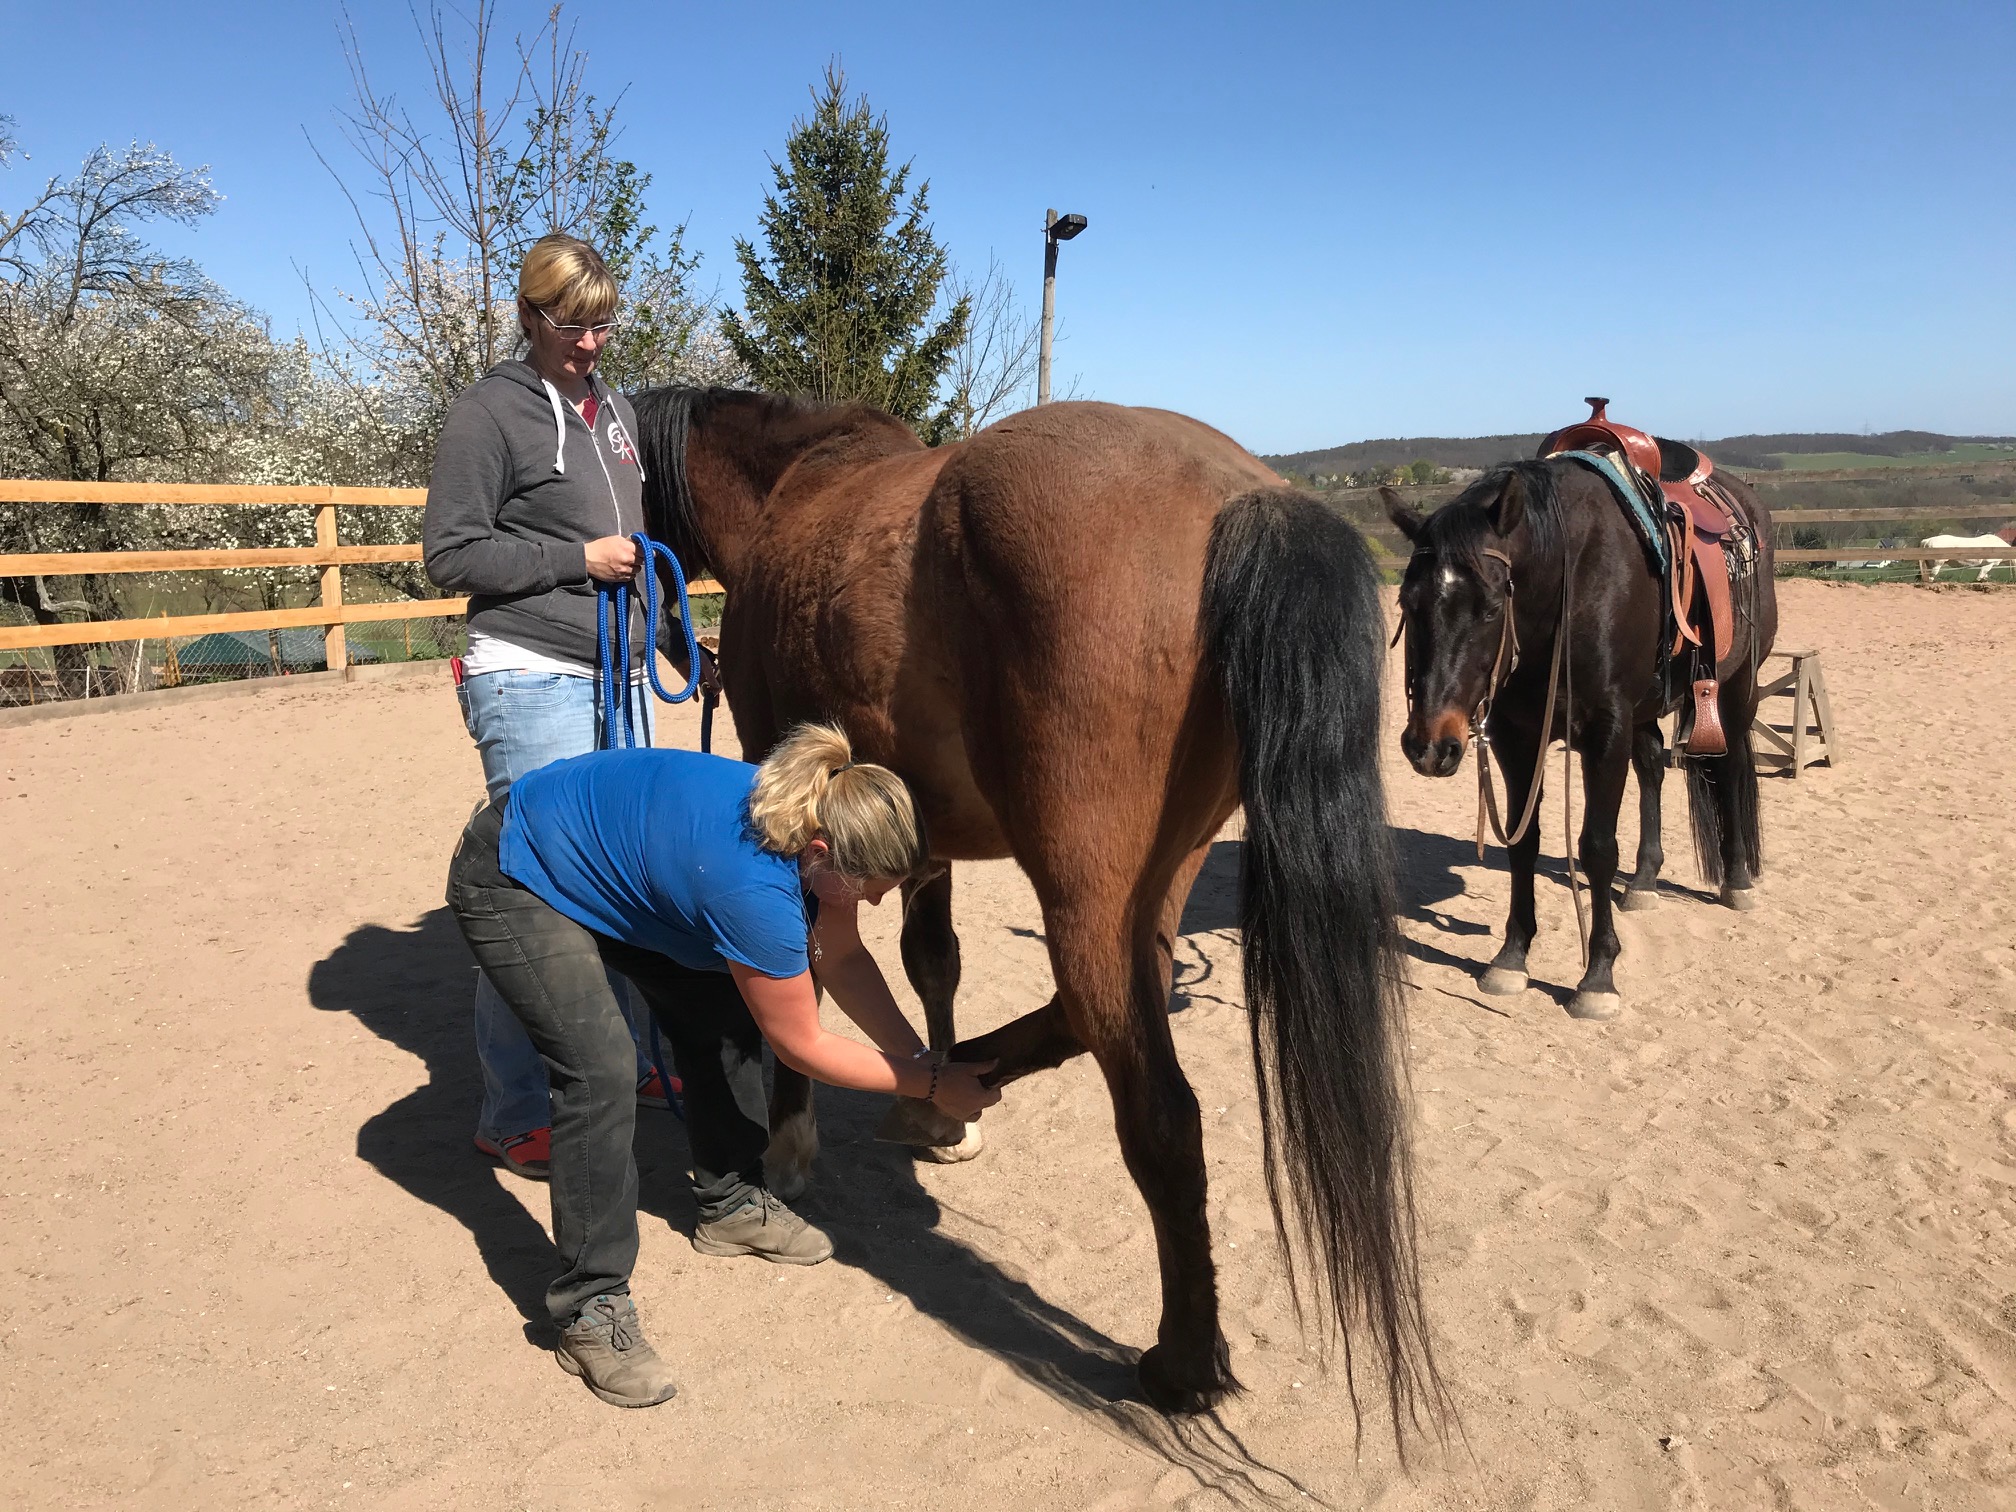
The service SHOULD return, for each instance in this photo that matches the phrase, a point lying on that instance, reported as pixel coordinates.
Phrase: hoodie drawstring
(559, 427)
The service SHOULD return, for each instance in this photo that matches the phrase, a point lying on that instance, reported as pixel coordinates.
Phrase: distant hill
(1737, 451)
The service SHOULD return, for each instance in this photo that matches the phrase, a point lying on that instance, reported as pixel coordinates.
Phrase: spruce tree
(840, 308)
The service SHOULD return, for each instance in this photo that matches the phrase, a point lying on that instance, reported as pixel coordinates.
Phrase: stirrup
(1707, 738)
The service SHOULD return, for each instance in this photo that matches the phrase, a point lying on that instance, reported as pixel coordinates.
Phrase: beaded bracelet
(939, 1058)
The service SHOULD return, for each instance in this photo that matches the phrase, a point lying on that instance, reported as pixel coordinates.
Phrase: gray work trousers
(553, 974)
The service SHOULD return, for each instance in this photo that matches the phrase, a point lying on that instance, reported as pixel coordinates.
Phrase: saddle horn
(1596, 408)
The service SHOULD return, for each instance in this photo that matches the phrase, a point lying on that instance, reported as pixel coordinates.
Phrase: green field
(1848, 461)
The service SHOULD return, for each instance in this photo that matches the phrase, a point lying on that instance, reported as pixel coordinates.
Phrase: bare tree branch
(993, 368)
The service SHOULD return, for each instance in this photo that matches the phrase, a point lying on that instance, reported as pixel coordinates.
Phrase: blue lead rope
(619, 730)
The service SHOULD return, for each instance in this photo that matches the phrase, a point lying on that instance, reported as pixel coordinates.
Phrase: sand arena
(1751, 1245)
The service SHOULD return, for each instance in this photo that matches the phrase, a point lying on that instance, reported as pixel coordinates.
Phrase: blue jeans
(520, 722)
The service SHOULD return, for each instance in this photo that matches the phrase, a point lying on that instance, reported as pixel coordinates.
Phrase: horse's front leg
(1506, 974)
(1606, 757)
(1648, 762)
(931, 962)
(794, 1133)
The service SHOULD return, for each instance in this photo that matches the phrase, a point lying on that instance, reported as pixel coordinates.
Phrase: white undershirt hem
(487, 653)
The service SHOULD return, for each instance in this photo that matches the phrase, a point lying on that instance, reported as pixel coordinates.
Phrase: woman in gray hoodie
(535, 492)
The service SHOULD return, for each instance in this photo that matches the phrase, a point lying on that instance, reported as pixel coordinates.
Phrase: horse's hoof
(1595, 1005)
(787, 1163)
(912, 1121)
(969, 1146)
(1742, 899)
(1639, 898)
(1502, 981)
(1168, 1392)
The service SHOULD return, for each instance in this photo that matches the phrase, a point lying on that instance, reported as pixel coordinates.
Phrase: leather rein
(1560, 678)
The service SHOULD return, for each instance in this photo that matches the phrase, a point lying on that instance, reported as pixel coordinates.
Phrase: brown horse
(1085, 636)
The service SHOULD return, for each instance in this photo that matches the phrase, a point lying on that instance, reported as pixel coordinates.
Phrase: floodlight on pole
(1056, 228)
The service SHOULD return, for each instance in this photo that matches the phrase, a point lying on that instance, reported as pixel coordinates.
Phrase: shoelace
(621, 1321)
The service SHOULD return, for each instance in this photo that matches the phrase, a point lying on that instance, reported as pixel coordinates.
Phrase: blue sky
(1309, 223)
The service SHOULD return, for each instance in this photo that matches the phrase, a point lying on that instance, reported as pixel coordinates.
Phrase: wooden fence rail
(332, 614)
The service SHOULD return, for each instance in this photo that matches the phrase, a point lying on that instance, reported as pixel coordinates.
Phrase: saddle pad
(1651, 536)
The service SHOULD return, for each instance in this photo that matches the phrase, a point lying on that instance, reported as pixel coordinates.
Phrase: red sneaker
(529, 1154)
(651, 1091)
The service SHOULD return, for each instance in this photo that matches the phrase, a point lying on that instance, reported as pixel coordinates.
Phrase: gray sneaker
(764, 1226)
(605, 1347)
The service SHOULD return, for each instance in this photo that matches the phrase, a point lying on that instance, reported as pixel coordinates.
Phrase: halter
(1503, 664)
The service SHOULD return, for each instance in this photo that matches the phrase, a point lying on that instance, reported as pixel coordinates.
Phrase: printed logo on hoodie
(619, 440)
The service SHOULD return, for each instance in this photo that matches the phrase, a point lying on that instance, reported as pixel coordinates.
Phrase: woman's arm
(786, 1009)
(846, 969)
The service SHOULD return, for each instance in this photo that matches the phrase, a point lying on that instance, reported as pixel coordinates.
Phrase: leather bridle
(1560, 678)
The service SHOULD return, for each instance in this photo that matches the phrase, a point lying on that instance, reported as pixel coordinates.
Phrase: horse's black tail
(1736, 774)
(1292, 622)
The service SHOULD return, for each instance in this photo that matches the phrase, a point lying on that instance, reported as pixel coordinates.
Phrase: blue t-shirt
(654, 848)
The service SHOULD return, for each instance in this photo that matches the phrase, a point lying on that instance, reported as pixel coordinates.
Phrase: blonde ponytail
(811, 788)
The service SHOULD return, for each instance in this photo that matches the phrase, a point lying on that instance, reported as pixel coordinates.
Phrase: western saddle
(1710, 540)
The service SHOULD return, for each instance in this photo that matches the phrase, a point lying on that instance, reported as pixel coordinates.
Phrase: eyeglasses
(574, 332)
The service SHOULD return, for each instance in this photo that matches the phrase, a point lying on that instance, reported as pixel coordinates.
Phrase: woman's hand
(960, 1092)
(612, 559)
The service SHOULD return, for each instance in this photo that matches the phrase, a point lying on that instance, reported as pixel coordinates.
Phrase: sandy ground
(1749, 1246)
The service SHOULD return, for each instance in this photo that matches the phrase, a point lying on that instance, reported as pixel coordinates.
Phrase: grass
(1899, 572)
(1846, 461)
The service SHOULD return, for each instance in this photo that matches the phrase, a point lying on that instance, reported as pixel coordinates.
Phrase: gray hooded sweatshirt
(520, 485)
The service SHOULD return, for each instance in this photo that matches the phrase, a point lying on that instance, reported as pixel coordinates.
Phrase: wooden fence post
(336, 653)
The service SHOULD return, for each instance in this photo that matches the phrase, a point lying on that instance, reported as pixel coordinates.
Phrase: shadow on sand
(413, 988)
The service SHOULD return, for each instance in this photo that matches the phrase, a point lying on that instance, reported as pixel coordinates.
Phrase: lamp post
(1056, 228)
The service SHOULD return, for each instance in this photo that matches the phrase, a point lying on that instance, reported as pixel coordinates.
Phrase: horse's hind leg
(1648, 761)
(1117, 1004)
(1042, 1040)
(1734, 776)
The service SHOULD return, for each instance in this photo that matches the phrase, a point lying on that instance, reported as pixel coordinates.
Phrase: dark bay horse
(1084, 637)
(1516, 540)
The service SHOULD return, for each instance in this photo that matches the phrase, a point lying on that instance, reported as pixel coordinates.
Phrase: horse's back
(1077, 507)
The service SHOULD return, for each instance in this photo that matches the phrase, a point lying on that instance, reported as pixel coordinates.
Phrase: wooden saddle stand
(1708, 537)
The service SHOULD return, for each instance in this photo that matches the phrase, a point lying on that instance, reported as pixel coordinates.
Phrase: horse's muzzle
(1434, 747)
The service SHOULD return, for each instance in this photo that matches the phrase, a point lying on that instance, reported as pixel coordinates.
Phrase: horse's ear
(1404, 519)
(1510, 507)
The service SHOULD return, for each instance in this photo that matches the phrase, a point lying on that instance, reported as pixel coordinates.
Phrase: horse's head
(1456, 603)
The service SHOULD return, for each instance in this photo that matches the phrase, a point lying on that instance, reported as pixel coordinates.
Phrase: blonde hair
(811, 788)
(567, 278)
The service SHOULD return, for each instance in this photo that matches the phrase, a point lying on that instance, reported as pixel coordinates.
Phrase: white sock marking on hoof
(966, 1149)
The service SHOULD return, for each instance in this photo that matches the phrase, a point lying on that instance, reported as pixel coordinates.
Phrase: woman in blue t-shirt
(724, 892)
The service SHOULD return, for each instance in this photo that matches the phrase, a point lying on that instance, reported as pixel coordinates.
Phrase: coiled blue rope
(619, 730)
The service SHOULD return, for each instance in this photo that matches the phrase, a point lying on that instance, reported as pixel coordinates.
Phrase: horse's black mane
(665, 417)
(1460, 530)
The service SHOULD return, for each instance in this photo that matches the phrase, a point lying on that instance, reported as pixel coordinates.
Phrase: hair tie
(845, 766)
